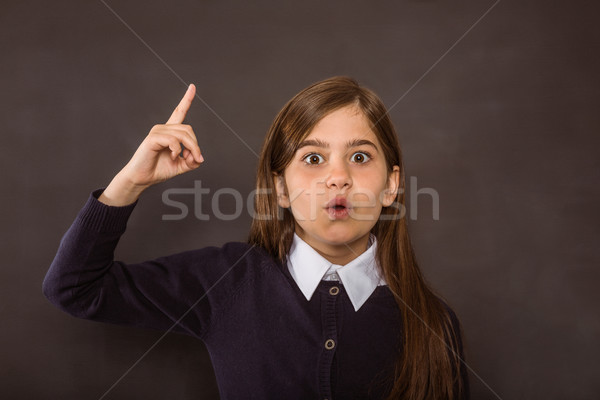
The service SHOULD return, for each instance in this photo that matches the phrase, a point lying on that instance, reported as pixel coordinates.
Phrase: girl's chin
(334, 233)
(333, 238)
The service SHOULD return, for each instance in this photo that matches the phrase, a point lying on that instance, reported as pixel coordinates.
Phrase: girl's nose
(339, 176)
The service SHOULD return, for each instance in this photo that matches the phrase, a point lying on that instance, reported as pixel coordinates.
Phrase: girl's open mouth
(338, 208)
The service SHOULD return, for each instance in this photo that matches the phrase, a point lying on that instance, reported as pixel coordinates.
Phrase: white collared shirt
(360, 276)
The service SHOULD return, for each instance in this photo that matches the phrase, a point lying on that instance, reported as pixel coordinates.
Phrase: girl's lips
(338, 208)
(338, 202)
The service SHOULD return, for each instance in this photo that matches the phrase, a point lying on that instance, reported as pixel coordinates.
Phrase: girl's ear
(282, 196)
(392, 187)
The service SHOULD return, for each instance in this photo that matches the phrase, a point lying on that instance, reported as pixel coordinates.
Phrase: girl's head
(333, 144)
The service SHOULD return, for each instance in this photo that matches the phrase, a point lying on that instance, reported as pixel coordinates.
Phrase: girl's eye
(360, 157)
(313, 159)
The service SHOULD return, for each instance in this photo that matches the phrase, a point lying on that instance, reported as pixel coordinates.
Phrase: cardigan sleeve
(177, 293)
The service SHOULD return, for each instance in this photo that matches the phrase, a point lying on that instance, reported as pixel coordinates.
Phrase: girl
(325, 301)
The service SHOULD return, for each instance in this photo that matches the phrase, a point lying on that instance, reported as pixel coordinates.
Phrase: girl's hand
(158, 158)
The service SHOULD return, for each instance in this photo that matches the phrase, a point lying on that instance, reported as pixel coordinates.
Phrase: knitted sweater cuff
(104, 218)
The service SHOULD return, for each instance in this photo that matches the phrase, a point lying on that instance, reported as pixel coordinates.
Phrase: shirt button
(334, 277)
(334, 290)
(329, 344)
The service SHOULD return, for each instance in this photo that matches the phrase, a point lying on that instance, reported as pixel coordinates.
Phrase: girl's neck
(339, 254)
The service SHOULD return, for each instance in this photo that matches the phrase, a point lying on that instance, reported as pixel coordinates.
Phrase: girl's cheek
(364, 199)
(314, 178)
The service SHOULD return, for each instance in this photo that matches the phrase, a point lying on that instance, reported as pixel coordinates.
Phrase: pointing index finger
(184, 105)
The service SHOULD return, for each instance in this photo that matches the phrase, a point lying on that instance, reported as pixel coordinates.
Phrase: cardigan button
(329, 344)
(334, 290)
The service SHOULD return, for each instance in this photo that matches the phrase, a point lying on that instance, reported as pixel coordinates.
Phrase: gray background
(504, 127)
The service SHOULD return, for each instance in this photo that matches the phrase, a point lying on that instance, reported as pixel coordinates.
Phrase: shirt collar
(360, 276)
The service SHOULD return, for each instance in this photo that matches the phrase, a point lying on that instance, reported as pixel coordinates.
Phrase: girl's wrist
(121, 192)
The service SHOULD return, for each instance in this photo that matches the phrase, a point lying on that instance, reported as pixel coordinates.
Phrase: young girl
(325, 301)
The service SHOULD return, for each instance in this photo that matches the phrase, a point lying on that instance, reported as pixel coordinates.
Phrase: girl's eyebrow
(350, 143)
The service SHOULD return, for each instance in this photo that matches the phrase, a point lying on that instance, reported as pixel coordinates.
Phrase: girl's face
(337, 183)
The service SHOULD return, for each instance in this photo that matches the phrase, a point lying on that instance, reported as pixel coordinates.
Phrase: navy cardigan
(265, 340)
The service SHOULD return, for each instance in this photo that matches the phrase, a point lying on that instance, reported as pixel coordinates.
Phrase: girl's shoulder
(230, 264)
(451, 313)
(231, 254)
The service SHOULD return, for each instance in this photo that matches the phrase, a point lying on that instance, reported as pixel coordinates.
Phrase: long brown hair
(428, 365)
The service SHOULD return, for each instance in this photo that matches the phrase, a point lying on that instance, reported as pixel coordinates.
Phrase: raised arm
(85, 281)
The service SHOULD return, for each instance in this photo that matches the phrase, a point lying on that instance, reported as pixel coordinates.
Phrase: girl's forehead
(342, 125)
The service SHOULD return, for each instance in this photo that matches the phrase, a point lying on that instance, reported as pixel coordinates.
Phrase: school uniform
(304, 329)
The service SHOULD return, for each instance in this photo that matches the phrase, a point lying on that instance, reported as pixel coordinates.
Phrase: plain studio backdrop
(496, 107)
